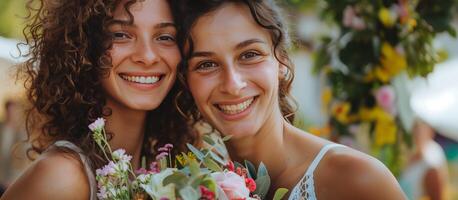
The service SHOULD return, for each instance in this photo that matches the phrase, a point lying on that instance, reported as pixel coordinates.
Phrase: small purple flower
(164, 198)
(154, 167)
(163, 149)
(162, 155)
(141, 171)
(97, 125)
(102, 194)
(169, 146)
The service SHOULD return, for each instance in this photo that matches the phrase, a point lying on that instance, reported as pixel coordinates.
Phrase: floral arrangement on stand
(377, 40)
(201, 174)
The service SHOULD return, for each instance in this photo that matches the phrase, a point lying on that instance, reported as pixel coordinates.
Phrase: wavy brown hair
(68, 41)
(266, 14)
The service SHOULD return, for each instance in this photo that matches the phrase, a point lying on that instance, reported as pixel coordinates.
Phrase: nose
(233, 81)
(145, 53)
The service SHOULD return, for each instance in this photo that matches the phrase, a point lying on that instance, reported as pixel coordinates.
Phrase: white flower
(120, 154)
(97, 125)
(156, 189)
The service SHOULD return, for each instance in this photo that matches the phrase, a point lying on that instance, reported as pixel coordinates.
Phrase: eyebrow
(238, 46)
(248, 43)
(128, 23)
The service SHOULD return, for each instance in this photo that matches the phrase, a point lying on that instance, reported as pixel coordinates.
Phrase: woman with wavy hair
(238, 77)
(90, 59)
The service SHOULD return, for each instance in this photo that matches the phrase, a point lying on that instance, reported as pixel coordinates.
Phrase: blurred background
(379, 76)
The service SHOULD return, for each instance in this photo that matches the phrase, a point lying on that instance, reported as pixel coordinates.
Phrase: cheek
(117, 54)
(200, 89)
(172, 57)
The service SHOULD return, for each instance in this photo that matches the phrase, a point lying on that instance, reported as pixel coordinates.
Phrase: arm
(355, 175)
(433, 184)
(53, 176)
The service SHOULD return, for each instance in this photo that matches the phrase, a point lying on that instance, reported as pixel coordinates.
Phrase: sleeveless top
(85, 161)
(305, 189)
(412, 178)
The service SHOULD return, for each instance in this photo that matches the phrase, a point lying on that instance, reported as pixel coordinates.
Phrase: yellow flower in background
(392, 62)
(411, 24)
(341, 112)
(385, 132)
(382, 74)
(182, 160)
(387, 17)
(326, 97)
(320, 132)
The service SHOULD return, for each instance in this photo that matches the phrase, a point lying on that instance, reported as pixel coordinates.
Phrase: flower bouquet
(201, 174)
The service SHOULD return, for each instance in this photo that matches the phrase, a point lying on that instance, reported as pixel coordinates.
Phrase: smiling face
(232, 72)
(144, 56)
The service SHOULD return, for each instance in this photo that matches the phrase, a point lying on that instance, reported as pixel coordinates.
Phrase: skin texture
(146, 47)
(229, 67)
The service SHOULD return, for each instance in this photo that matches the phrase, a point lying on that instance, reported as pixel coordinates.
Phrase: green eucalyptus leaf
(194, 167)
(195, 151)
(227, 138)
(262, 170)
(209, 140)
(251, 169)
(280, 193)
(217, 158)
(212, 165)
(262, 186)
(178, 178)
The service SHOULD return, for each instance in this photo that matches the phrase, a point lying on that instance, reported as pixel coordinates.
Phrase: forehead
(232, 22)
(143, 10)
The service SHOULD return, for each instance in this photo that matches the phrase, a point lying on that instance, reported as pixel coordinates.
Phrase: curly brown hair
(68, 41)
(266, 14)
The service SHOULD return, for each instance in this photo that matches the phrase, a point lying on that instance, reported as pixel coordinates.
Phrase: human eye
(249, 55)
(206, 66)
(120, 36)
(166, 37)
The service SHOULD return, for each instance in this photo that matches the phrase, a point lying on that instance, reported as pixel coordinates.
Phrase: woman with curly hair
(238, 74)
(89, 59)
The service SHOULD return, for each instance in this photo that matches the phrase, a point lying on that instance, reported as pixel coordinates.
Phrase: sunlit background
(325, 107)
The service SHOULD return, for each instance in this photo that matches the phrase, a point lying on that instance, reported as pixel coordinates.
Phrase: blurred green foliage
(12, 13)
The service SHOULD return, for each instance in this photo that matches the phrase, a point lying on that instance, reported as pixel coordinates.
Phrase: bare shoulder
(349, 174)
(54, 175)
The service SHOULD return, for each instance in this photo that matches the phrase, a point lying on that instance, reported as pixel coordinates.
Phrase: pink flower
(232, 184)
(350, 19)
(251, 184)
(385, 97)
(169, 146)
(206, 193)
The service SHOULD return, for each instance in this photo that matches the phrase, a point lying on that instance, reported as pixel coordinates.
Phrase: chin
(145, 105)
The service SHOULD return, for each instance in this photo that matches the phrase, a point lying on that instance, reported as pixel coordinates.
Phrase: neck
(127, 127)
(266, 146)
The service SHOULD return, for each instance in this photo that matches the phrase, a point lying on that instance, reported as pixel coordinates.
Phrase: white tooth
(129, 78)
(149, 80)
(142, 79)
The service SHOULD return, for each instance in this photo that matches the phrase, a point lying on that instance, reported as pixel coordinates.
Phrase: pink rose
(232, 184)
(385, 97)
(351, 19)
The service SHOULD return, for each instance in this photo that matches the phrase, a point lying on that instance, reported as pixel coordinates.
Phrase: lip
(238, 116)
(143, 86)
(236, 101)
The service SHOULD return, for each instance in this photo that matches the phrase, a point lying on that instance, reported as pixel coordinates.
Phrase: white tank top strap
(320, 156)
(86, 162)
(305, 188)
